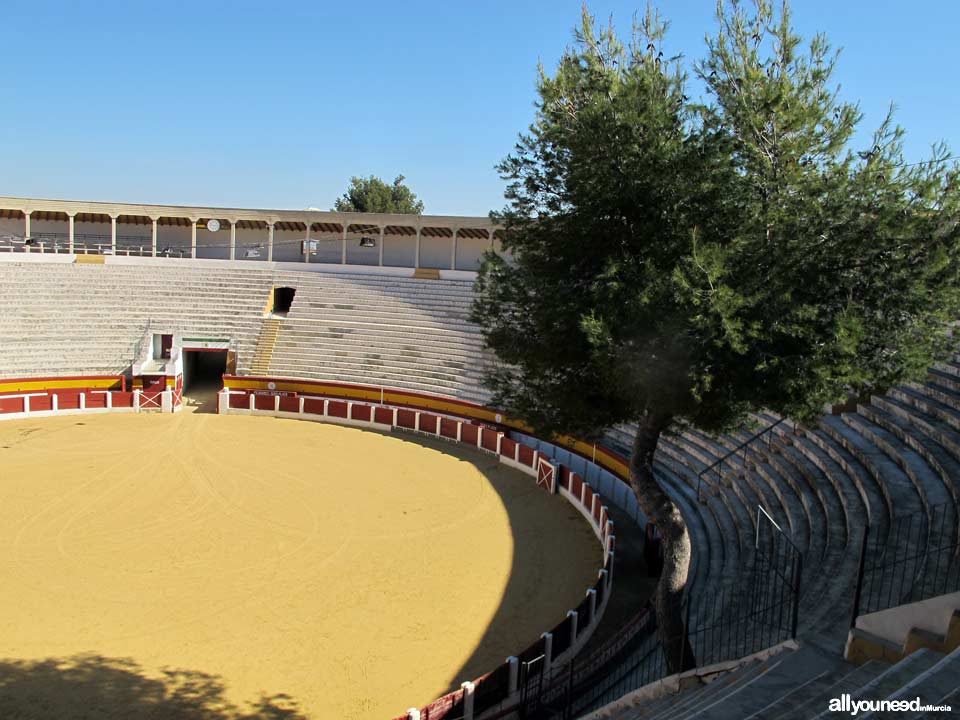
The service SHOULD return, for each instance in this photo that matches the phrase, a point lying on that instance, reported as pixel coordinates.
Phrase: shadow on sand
(92, 687)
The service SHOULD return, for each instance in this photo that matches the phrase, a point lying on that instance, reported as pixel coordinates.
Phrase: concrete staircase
(797, 684)
(266, 341)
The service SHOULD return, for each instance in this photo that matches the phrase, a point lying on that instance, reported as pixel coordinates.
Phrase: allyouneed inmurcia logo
(846, 704)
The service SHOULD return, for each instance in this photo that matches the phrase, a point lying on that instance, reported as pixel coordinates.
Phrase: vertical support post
(592, 594)
(326, 408)
(468, 690)
(499, 442)
(26, 404)
(193, 238)
(604, 577)
(572, 614)
(26, 223)
(233, 239)
(223, 402)
(113, 234)
(611, 556)
(416, 254)
(153, 238)
(513, 676)
(380, 247)
(70, 233)
(269, 242)
(83, 401)
(300, 408)
(306, 244)
(250, 402)
(453, 250)
(413, 714)
(583, 492)
(136, 400)
(276, 403)
(459, 431)
(109, 399)
(547, 652)
(55, 402)
(857, 593)
(343, 243)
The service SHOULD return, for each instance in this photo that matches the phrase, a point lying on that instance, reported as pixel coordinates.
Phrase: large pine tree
(675, 261)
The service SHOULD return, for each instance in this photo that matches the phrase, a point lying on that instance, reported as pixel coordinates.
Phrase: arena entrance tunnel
(203, 377)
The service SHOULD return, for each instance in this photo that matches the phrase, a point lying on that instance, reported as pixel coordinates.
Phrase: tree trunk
(663, 512)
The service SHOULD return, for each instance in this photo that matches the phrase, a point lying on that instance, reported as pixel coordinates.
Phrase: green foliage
(375, 196)
(687, 261)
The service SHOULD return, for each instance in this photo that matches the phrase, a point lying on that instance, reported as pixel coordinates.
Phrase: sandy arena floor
(205, 567)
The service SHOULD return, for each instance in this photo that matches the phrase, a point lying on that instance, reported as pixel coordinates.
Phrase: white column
(572, 614)
(306, 255)
(270, 242)
(54, 402)
(592, 594)
(153, 238)
(491, 231)
(109, 398)
(136, 400)
(416, 258)
(343, 244)
(193, 238)
(547, 653)
(223, 402)
(468, 690)
(26, 223)
(83, 401)
(233, 239)
(513, 678)
(380, 256)
(413, 714)
(113, 234)
(70, 233)
(453, 250)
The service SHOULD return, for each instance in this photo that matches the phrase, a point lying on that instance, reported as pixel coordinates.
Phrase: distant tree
(677, 263)
(374, 195)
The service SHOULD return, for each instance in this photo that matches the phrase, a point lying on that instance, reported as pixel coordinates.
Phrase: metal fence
(758, 609)
(916, 559)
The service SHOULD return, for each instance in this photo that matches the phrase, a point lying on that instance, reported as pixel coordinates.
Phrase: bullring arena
(249, 470)
(334, 556)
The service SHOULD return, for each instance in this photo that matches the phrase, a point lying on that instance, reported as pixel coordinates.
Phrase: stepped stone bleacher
(76, 319)
(798, 683)
(396, 332)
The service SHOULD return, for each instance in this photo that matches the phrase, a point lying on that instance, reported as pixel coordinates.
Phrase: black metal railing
(754, 611)
(918, 558)
(741, 449)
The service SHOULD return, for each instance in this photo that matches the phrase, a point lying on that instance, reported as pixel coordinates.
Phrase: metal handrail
(742, 446)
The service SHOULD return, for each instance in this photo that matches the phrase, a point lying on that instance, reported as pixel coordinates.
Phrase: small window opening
(283, 299)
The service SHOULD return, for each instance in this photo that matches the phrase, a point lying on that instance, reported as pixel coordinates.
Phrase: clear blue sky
(260, 104)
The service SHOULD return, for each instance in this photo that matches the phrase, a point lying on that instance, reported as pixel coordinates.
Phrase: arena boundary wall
(497, 693)
(22, 398)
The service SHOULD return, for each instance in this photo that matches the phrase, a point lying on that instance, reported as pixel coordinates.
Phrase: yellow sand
(324, 571)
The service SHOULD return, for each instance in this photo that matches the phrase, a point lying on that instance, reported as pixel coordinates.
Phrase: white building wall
(399, 250)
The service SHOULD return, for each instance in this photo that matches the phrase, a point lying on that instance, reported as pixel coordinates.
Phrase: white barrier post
(395, 411)
(547, 652)
(83, 401)
(480, 436)
(26, 404)
(109, 401)
(349, 410)
(516, 452)
(611, 556)
(250, 401)
(459, 431)
(413, 714)
(602, 575)
(592, 594)
(300, 409)
(136, 400)
(276, 403)
(326, 407)
(499, 441)
(54, 402)
(223, 402)
(166, 401)
(572, 614)
(468, 689)
(439, 420)
(416, 421)
(513, 683)
(583, 492)
(593, 509)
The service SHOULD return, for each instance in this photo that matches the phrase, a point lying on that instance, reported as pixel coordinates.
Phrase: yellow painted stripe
(603, 457)
(57, 384)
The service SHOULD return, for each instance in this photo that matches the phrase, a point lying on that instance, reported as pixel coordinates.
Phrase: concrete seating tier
(898, 455)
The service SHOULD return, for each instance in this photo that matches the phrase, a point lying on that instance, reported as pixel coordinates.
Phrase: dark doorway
(283, 299)
(203, 377)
